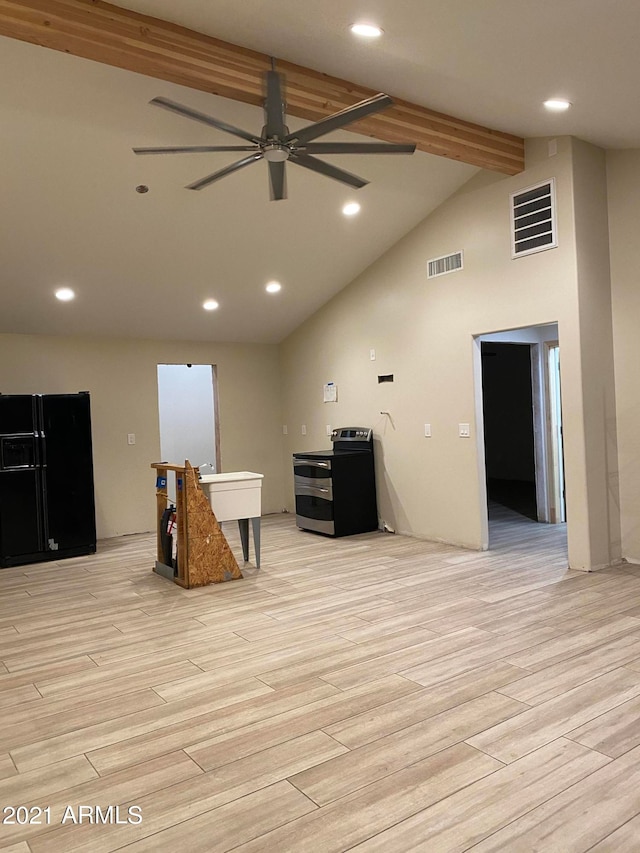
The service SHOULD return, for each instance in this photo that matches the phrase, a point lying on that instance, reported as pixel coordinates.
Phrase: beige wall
(122, 379)
(623, 174)
(423, 332)
(596, 353)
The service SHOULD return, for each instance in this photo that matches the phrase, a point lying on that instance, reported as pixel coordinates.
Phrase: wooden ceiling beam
(109, 34)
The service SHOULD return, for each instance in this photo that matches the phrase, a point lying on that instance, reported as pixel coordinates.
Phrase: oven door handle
(312, 491)
(311, 463)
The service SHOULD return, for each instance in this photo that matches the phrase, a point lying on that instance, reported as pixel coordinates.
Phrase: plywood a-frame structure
(203, 554)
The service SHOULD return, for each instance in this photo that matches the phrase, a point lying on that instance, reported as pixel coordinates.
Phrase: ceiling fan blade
(193, 149)
(277, 184)
(221, 173)
(327, 169)
(274, 106)
(187, 112)
(338, 120)
(358, 148)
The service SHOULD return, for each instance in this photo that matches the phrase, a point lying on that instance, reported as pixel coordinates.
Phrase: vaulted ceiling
(142, 264)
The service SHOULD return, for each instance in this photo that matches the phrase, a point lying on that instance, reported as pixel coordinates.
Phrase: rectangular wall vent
(533, 219)
(444, 265)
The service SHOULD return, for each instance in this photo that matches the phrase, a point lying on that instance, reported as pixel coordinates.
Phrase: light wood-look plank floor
(369, 693)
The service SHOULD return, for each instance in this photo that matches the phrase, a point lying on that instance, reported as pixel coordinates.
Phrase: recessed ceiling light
(65, 294)
(368, 31)
(210, 305)
(273, 287)
(351, 208)
(557, 105)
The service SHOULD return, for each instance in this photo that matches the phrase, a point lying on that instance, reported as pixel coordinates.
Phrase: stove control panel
(352, 434)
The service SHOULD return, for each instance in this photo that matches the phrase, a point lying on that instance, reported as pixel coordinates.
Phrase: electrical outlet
(131, 438)
(427, 430)
(328, 429)
(464, 430)
(285, 431)
(303, 429)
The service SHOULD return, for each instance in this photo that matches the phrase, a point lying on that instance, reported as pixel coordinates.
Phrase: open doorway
(507, 393)
(188, 412)
(520, 432)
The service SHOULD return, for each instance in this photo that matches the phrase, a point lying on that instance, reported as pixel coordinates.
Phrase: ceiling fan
(276, 145)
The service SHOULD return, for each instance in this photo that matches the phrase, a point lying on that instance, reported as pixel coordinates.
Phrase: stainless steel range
(335, 489)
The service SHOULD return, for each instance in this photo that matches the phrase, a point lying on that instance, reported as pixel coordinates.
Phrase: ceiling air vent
(533, 219)
(444, 265)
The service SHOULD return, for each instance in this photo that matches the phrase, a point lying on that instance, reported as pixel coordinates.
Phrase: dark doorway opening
(508, 428)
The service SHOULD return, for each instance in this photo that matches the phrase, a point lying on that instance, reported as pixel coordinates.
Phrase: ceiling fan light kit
(275, 153)
(277, 146)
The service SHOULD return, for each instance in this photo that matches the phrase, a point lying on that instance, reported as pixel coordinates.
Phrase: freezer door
(20, 514)
(66, 454)
(17, 413)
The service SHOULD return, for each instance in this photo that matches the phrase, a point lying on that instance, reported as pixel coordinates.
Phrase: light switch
(372, 354)
(464, 430)
(285, 431)
(131, 438)
(427, 430)
(303, 429)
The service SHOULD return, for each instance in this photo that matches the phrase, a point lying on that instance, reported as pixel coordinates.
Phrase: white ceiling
(488, 61)
(142, 264)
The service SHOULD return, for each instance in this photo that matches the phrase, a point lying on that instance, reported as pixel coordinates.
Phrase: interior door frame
(541, 416)
(216, 416)
(556, 489)
(483, 500)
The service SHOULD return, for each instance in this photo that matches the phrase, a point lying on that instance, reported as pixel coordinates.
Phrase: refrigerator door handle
(42, 450)
(40, 494)
(39, 408)
(41, 456)
(43, 515)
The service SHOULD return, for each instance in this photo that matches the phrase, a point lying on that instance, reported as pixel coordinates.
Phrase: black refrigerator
(47, 505)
